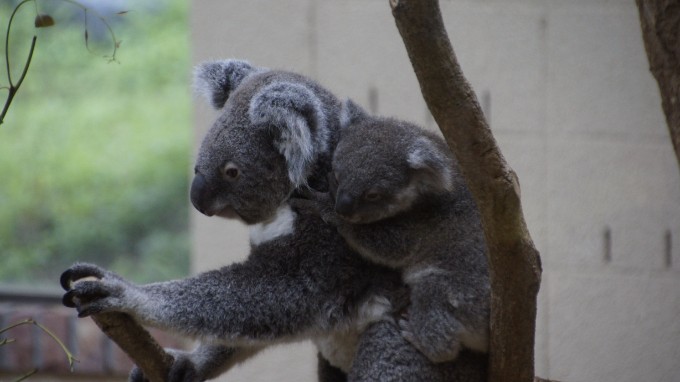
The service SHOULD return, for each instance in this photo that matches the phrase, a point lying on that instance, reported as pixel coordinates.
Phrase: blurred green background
(94, 155)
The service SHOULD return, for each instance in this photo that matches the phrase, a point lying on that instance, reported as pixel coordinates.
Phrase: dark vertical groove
(668, 249)
(607, 245)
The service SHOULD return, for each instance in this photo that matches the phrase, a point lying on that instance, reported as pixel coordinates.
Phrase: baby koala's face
(372, 174)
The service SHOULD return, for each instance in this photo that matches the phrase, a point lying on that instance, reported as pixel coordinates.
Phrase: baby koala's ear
(351, 113)
(432, 165)
(216, 80)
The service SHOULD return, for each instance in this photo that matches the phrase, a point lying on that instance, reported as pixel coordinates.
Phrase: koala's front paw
(437, 339)
(305, 206)
(91, 289)
(316, 203)
(182, 370)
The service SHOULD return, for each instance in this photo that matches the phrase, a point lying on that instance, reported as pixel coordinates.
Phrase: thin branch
(27, 375)
(12, 90)
(29, 321)
(9, 27)
(101, 18)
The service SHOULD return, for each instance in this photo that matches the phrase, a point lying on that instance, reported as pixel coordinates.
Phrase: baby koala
(399, 200)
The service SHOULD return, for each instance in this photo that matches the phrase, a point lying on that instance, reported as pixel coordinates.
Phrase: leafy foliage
(94, 155)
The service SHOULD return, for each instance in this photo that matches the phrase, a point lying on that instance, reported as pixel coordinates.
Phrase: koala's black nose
(199, 191)
(344, 204)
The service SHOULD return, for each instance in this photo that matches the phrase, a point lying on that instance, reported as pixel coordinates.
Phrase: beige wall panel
(612, 327)
(630, 187)
(598, 73)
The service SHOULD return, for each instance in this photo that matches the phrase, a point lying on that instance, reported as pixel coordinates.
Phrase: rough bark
(660, 22)
(514, 262)
(137, 343)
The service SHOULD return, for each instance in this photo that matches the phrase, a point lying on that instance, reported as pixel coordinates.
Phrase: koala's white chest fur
(340, 347)
(281, 225)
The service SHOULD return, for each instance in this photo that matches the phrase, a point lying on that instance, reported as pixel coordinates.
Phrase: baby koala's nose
(344, 204)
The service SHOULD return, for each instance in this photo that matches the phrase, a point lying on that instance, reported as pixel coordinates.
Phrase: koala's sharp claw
(67, 300)
(78, 272)
(65, 280)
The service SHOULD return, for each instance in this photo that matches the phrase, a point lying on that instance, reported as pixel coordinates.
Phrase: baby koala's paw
(437, 339)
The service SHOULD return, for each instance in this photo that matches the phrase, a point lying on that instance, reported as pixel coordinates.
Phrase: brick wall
(98, 357)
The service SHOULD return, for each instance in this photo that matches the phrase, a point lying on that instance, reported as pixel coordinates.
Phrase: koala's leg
(205, 362)
(446, 316)
(384, 355)
(387, 244)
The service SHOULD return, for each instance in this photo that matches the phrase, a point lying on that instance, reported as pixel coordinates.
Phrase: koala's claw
(67, 300)
(88, 297)
(406, 331)
(92, 290)
(80, 271)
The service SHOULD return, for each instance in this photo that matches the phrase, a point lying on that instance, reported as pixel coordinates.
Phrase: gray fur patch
(215, 80)
(298, 113)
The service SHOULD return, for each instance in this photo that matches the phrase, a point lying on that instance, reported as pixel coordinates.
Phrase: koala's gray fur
(401, 201)
(275, 134)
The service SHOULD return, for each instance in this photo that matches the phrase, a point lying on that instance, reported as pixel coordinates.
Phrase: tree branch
(137, 343)
(514, 262)
(660, 23)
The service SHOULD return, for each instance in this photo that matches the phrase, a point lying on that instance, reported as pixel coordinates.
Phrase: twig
(12, 89)
(29, 321)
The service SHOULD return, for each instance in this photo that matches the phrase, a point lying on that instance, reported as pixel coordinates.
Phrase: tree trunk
(660, 22)
(514, 262)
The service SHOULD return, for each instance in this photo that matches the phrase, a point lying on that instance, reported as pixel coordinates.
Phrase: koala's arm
(318, 204)
(207, 361)
(242, 304)
(390, 242)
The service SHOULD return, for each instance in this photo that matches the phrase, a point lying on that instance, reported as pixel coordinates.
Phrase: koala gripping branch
(514, 262)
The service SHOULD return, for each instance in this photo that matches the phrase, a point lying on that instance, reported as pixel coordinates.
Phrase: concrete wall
(567, 89)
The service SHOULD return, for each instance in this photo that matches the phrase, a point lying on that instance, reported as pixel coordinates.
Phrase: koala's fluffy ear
(431, 165)
(215, 80)
(351, 113)
(297, 115)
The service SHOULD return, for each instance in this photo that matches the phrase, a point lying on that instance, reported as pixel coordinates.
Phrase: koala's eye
(230, 171)
(372, 196)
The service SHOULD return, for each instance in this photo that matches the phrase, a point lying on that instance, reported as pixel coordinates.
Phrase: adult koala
(275, 134)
